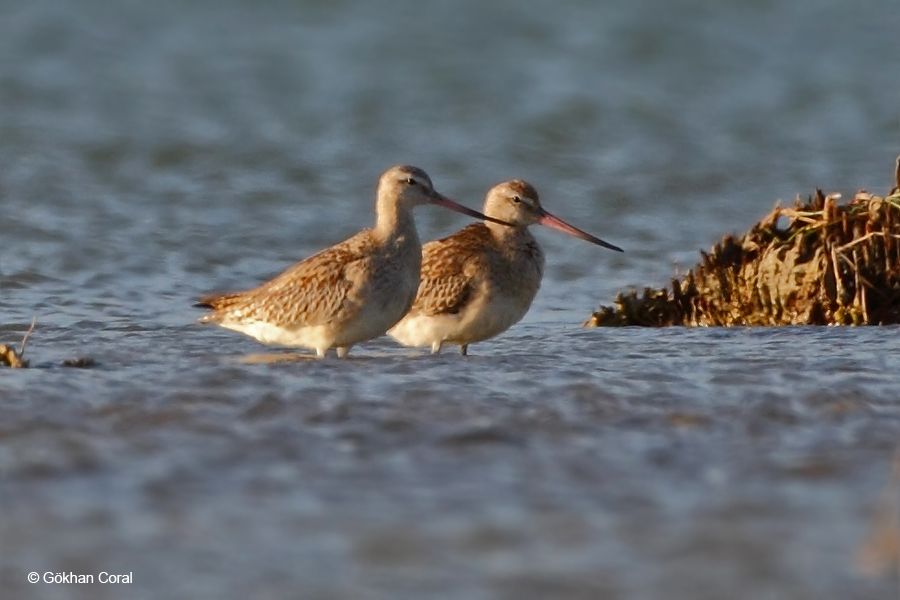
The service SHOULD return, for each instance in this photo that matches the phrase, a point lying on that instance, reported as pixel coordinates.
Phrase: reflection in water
(879, 555)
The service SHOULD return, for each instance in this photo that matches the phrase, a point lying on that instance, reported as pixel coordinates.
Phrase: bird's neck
(507, 232)
(393, 220)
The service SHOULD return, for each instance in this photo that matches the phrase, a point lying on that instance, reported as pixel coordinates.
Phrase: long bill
(446, 202)
(554, 222)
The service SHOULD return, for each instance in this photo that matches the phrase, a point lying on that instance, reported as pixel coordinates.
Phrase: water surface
(151, 152)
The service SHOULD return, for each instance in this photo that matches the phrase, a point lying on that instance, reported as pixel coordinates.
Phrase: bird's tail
(218, 303)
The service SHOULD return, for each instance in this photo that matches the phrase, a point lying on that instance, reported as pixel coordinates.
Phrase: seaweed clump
(815, 263)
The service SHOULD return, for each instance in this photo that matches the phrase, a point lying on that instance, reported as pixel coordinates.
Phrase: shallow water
(152, 152)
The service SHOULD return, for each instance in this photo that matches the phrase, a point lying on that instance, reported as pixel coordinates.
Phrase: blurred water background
(152, 151)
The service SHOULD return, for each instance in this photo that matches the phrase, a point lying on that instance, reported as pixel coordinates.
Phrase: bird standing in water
(481, 280)
(348, 293)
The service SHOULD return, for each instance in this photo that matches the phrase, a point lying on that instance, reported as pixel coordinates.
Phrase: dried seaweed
(815, 263)
(15, 359)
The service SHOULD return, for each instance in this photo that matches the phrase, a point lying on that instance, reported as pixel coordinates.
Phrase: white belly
(380, 309)
(483, 318)
(421, 330)
(314, 337)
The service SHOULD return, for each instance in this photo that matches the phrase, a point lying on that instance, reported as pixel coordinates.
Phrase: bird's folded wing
(451, 269)
(315, 291)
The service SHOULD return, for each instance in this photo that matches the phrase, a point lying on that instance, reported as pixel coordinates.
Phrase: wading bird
(481, 280)
(349, 293)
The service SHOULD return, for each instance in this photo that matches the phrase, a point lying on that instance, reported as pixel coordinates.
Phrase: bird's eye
(410, 181)
(516, 199)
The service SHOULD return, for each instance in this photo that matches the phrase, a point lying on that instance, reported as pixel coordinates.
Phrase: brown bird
(481, 280)
(348, 293)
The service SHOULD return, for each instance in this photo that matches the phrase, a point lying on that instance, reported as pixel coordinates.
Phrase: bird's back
(452, 267)
(311, 292)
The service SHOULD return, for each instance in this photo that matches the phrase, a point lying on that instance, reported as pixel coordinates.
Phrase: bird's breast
(399, 264)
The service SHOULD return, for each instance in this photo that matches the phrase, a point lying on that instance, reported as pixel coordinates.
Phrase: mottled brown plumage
(328, 287)
(345, 294)
(457, 267)
(481, 280)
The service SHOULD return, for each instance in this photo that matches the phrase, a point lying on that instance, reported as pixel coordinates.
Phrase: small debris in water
(9, 357)
(15, 359)
(81, 362)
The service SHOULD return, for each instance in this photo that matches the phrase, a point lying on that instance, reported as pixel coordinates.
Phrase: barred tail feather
(217, 303)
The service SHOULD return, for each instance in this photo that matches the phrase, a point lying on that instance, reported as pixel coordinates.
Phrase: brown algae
(815, 263)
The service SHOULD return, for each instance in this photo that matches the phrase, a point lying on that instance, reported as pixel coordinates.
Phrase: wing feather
(452, 269)
(316, 291)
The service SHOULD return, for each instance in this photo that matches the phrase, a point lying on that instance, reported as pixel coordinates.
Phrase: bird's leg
(464, 349)
(342, 351)
(321, 352)
(436, 347)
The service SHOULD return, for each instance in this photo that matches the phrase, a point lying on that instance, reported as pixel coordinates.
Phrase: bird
(350, 292)
(480, 281)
